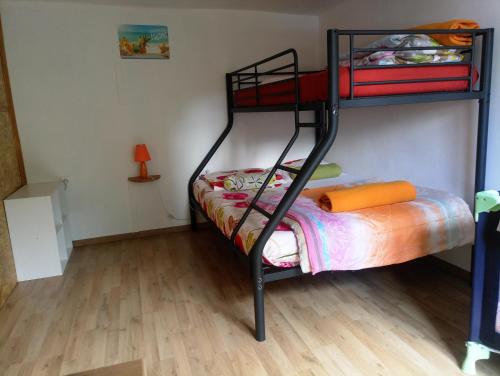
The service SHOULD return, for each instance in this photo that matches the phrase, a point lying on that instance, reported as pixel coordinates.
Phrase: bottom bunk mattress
(318, 240)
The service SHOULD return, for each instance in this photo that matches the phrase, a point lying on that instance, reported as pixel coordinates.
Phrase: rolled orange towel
(316, 193)
(367, 196)
(452, 39)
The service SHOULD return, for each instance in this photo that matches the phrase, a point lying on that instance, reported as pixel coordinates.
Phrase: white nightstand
(39, 230)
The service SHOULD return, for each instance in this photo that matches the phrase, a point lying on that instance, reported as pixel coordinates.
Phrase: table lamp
(142, 155)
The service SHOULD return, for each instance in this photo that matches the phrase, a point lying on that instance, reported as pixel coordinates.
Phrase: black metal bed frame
(326, 126)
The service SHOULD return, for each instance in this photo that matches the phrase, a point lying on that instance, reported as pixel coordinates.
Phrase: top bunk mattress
(314, 86)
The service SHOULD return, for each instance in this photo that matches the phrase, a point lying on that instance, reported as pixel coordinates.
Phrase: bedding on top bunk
(404, 65)
(314, 86)
(318, 240)
(430, 55)
(454, 24)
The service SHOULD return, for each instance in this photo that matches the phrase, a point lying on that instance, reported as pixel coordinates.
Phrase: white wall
(80, 108)
(430, 144)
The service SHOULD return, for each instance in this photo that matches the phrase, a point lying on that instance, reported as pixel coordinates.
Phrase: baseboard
(131, 235)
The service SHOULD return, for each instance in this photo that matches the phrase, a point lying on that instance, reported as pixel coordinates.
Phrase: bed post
(475, 350)
(333, 84)
(484, 108)
(482, 143)
(192, 216)
(258, 298)
(212, 151)
(318, 118)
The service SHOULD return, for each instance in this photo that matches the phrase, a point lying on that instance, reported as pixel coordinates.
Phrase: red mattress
(314, 86)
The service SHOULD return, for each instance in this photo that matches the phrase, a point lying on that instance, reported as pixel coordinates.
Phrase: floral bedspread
(226, 208)
(366, 238)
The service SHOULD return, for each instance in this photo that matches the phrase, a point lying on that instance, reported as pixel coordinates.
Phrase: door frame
(10, 108)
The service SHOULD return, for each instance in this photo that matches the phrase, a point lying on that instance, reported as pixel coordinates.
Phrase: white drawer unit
(39, 230)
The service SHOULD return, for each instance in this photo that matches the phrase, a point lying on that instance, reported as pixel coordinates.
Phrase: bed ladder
(258, 272)
(326, 126)
(329, 126)
(320, 126)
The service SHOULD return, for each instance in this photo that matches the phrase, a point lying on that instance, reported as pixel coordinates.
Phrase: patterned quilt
(366, 238)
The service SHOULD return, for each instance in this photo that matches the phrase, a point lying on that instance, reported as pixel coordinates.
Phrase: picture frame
(143, 42)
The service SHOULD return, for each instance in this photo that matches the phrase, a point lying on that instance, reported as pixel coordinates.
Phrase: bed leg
(192, 212)
(258, 298)
(475, 352)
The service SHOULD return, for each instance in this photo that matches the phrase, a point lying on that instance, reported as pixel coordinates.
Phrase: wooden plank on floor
(183, 304)
(133, 368)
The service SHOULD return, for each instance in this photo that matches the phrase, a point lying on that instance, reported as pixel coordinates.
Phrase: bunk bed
(326, 92)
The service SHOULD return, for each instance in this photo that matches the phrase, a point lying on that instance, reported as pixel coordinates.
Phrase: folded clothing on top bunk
(319, 240)
(452, 39)
(314, 86)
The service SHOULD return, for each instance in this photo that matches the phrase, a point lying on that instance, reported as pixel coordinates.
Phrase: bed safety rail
(477, 54)
(282, 67)
(251, 78)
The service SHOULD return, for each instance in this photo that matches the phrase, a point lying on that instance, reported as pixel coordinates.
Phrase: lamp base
(143, 171)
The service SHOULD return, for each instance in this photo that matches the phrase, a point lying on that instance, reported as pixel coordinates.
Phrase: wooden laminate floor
(184, 306)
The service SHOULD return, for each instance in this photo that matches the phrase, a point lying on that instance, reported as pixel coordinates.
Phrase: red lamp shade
(141, 153)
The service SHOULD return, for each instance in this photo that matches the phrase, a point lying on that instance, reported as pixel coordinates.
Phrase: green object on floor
(475, 352)
(486, 201)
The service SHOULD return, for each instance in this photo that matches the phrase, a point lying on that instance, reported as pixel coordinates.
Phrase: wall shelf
(138, 179)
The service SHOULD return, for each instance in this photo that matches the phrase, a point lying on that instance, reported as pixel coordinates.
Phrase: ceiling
(280, 6)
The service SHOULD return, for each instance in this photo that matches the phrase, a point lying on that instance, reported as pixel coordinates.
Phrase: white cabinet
(39, 230)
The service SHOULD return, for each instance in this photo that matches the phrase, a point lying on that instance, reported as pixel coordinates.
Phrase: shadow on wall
(256, 140)
(432, 145)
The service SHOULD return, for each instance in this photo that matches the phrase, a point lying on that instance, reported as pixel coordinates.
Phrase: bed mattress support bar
(326, 130)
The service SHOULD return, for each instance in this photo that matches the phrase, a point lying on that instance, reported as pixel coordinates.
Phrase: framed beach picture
(143, 42)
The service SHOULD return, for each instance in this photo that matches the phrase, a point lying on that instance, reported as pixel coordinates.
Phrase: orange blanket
(367, 196)
(452, 39)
